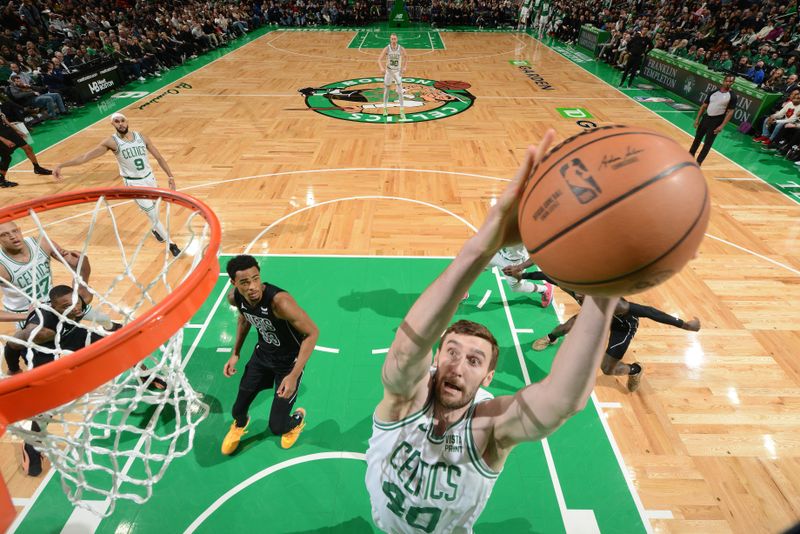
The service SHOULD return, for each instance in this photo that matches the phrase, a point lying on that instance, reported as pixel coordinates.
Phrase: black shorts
(260, 373)
(622, 331)
(12, 136)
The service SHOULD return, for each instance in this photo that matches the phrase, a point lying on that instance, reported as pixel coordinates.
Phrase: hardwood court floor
(711, 440)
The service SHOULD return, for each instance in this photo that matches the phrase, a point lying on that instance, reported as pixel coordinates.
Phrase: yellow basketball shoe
(288, 439)
(234, 436)
(384, 111)
(402, 114)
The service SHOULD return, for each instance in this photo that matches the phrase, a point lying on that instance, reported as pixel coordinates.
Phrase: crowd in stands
(44, 42)
(476, 13)
(756, 40)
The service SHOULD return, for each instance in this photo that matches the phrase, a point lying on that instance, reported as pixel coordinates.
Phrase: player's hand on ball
(693, 325)
(230, 366)
(501, 227)
(288, 387)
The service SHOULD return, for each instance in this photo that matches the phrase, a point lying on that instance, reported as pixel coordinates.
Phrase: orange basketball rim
(41, 389)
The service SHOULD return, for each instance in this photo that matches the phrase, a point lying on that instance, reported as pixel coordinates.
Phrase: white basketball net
(117, 441)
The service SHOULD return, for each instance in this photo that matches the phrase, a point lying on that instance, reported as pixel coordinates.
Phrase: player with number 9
(130, 149)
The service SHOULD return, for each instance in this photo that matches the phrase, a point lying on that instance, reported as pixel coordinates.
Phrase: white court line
(366, 33)
(739, 179)
(224, 349)
(524, 330)
(365, 197)
(485, 298)
(614, 447)
(20, 501)
(659, 514)
(380, 351)
(574, 523)
(433, 47)
(265, 473)
(676, 111)
(189, 325)
(326, 349)
(39, 489)
(765, 258)
(796, 201)
(350, 44)
(609, 405)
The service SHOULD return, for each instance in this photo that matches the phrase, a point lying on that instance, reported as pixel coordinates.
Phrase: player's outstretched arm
(405, 369)
(539, 409)
(654, 314)
(161, 161)
(96, 152)
(11, 317)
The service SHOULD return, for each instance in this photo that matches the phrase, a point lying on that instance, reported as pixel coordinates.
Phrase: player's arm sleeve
(537, 275)
(648, 312)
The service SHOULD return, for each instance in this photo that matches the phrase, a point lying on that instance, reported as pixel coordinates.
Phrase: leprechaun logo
(361, 100)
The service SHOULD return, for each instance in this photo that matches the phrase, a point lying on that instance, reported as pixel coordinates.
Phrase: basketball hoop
(94, 396)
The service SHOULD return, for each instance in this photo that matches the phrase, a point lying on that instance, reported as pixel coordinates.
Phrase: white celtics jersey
(419, 482)
(132, 157)
(515, 254)
(29, 280)
(394, 58)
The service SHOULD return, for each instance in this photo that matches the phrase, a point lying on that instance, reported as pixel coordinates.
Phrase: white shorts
(146, 205)
(392, 76)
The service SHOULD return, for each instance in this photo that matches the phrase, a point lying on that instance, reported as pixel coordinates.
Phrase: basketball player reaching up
(434, 456)
(25, 275)
(130, 149)
(286, 338)
(396, 63)
(623, 327)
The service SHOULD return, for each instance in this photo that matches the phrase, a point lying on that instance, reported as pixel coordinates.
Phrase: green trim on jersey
(440, 440)
(402, 422)
(474, 454)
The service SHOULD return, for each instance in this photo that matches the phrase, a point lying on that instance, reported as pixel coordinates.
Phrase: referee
(714, 114)
(11, 138)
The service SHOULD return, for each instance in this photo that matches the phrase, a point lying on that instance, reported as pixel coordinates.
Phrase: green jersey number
(139, 162)
(424, 519)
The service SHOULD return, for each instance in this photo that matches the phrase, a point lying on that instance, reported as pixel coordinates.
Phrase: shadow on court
(384, 302)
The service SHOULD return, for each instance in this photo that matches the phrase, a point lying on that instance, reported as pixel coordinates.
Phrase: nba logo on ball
(580, 182)
(614, 210)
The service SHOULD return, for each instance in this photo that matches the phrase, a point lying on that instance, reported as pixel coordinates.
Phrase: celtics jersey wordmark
(420, 482)
(132, 157)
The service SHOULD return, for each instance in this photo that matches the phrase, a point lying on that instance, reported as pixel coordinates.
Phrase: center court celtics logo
(361, 100)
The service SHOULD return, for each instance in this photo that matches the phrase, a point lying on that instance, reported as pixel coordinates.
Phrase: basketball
(613, 211)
